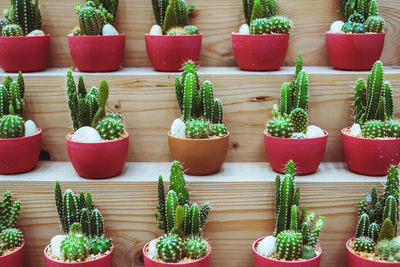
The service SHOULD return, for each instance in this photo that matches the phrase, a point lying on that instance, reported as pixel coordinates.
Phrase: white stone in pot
(156, 30)
(178, 128)
(266, 246)
(298, 136)
(36, 33)
(55, 244)
(355, 130)
(30, 128)
(152, 249)
(86, 134)
(314, 132)
(244, 29)
(109, 29)
(337, 26)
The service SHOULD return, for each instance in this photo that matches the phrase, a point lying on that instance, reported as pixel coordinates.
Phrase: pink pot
(170, 53)
(15, 259)
(261, 261)
(370, 156)
(354, 51)
(260, 51)
(20, 154)
(24, 53)
(306, 153)
(97, 53)
(98, 160)
(203, 262)
(105, 261)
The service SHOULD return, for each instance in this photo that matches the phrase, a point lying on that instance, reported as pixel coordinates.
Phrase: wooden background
(216, 20)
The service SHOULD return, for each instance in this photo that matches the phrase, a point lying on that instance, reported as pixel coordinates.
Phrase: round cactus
(75, 247)
(195, 248)
(375, 24)
(359, 28)
(218, 130)
(261, 26)
(110, 129)
(89, 20)
(373, 129)
(197, 129)
(289, 245)
(308, 252)
(191, 29)
(99, 245)
(114, 116)
(170, 248)
(11, 238)
(348, 27)
(3, 22)
(280, 24)
(356, 18)
(384, 250)
(392, 128)
(177, 31)
(280, 127)
(364, 244)
(12, 30)
(299, 119)
(11, 126)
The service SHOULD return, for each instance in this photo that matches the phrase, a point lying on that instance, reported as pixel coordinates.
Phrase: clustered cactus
(83, 225)
(201, 112)
(173, 17)
(88, 109)
(294, 237)
(261, 17)
(181, 222)
(378, 215)
(361, 16)
(373, 106)
(10, 237)
(22, 18)
(290, 117)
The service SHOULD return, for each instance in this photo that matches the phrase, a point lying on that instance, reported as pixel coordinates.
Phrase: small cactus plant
(12, 30)
(23, 16)
(75, 247)
(364, 244)
(110, 129)
(261, 26)
(11, 126)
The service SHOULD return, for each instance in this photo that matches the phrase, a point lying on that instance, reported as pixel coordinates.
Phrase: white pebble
(244, 29)
(153, 252)
(314, 132)
(30, 128)
(355, 129)
(36, 33)
(337, 26)
(86, 134)
(156, 30)
(109, 29)
(266, 247)
(298, 136)
(55, 244)
(178, 128)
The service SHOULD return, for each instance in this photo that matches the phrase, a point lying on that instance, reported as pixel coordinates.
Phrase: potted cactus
(23, 45)
(375, 242)
(288, 135)
(12, 243)
(294, 242)
(262, 42)
(172, 41)
(84, 242)
(99, 145)
(95, 45)
(200, 128)
(20, 141)
(356, 42)
(182, 243)
(372, 143)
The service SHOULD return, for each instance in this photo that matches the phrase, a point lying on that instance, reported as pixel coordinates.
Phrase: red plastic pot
(24, 53)
(97, 53)
(14, 259)
(260, 51)
(105, 261)
(370, 156)
(98, 160)
(306, 153)
(20, 154)
(169, 53)
(203, 262)
(261, 261)
(358, 51)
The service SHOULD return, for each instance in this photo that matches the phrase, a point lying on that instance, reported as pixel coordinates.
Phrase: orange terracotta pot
(199, 156)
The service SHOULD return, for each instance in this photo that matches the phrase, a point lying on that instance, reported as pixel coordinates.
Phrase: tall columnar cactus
(12, 93)
(90, 20)
(254, 9)
(26, 14)
(108, 8)
(9, 211)
(171, 14)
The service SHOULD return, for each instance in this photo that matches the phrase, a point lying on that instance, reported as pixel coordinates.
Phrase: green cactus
(110, 129)
(170, 248)
(363, 225)
(195, 248)
(218, 130)
(197, 129)
(253, 9)
(12, 30)
(26, 14)
(392, 128)
(373, 8)
(286, 98)
(308, 252)
(280, 127)
(11, 126)
(299, 119)
(11, 238)
(218, 112)
(373, 231)
(176, 31)
(99, 244)
(280, 24)
(75, 246)
(373, 129)
(388, 250)
(375, 24)
(301, 91)
(208, 100)
(9, 211)
(3, 22)
(359, 28)
(90, 21)
(174, 13)
(191, 29)
(364, 244)
(348, 27)
(289, 245)
(261, 26)
(356, 17)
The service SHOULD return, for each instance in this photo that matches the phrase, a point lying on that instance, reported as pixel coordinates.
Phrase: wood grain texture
(216, 20)
(241, 196)
(146, 100)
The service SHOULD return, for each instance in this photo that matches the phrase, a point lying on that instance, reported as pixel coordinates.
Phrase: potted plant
(84, 242)
(23, 45)
(96, 45)
(356, 42)
(12, 243)
(293, 243)
(375, 243)
(262, 42)
(172, 41)
(99, 145)
(372, 143)
(288, 135)
(20, 141)
(200, 128)
(182, 243)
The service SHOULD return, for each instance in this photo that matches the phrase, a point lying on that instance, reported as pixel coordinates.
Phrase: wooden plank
(146, 100)
(241, 196)
(216, 20)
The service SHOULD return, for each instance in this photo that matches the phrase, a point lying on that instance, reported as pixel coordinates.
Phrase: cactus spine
(26, 14)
